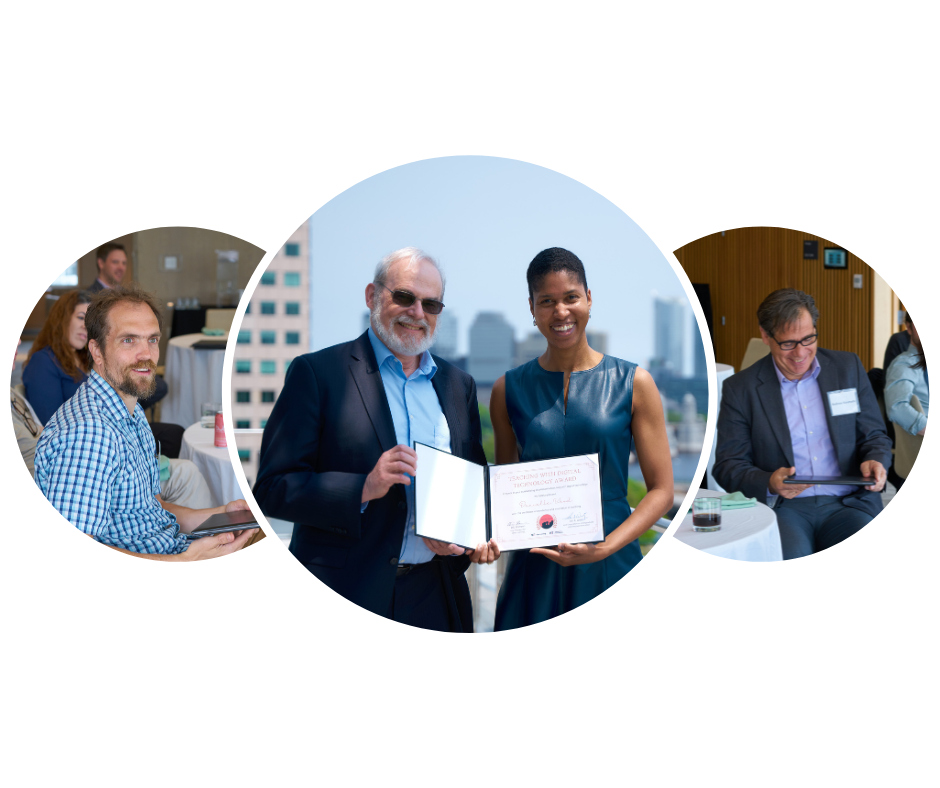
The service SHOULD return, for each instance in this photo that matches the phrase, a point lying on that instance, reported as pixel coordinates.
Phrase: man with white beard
(337, 456)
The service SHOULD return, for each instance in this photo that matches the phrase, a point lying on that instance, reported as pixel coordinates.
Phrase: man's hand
(442, 548)
(390, 469)
(876, 469)
(241, 505)
(215, 546)
(485, 553)
(777, 487)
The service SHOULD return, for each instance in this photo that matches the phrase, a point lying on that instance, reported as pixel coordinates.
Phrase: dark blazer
(94, 287)
(47, 385)
(754, 439)
(328, 428)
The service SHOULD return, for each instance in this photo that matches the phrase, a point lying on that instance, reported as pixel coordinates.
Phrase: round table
(213, 463)
(749, 534)
(724, 371)
(193, 377)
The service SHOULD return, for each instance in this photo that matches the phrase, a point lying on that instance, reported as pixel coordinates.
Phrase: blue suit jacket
(330, 425)
(754, 440)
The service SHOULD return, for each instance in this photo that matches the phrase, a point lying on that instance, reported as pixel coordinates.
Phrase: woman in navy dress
(58, 361)
(573, 400)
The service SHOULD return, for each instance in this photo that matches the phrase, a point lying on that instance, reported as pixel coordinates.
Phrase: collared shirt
(813, 451)
(901, 382)
(417, 416)
(97, 465)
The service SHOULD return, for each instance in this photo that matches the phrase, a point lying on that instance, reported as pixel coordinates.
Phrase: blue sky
(484, 219)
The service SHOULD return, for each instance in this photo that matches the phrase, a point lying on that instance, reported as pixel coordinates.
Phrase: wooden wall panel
(743, 266)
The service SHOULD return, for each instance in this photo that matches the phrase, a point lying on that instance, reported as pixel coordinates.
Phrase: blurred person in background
(907, 377)
(58, 362)
(112, 265)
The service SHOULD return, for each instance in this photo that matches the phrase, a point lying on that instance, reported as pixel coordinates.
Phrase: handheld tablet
(225, 522)
(858, 481)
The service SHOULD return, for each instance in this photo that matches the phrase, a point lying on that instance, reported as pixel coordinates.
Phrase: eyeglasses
(25, 415)
(406, 299)
(792, 343)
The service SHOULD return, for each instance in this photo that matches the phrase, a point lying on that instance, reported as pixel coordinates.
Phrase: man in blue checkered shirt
(96, 459)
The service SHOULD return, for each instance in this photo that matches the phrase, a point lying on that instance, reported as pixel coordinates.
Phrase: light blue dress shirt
(901, 382)
(813, 452)
(417, 416)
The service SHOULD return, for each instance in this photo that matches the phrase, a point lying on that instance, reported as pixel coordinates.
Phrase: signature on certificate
(574, 517)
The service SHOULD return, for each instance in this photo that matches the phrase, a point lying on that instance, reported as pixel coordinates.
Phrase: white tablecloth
(193, 377)
(746, 534)
(724, 371)
(214, 464)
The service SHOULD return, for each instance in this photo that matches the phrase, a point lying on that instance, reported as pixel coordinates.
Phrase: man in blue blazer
(337, 456)
(808, 412)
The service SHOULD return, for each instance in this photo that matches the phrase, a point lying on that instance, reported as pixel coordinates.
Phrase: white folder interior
(449, 496)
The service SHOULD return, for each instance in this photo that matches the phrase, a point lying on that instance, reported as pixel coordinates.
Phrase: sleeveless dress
(598, 419)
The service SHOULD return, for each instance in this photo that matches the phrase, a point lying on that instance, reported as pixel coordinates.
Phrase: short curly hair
(553, 261)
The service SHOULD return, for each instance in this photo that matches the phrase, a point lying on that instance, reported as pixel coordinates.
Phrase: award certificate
(523, 505)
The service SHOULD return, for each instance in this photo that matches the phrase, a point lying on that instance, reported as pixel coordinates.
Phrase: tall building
(276, 328)
(598, 341)
(533, 346)
(669, 322)
(698, 348)
(445, 336)
(492, 348)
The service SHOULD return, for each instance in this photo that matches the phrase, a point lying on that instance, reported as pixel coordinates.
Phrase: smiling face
(794, 364)
(78, 336)
(560, 308)
(111, 271)
(406, 331)
(129, 354)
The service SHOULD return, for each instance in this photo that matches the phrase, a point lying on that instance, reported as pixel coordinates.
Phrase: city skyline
(484, 219)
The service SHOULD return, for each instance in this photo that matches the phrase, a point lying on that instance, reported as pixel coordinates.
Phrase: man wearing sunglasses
(337, 456)
(807, 411)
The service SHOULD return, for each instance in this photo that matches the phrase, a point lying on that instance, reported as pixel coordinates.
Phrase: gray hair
(783, 307)
(414, 256)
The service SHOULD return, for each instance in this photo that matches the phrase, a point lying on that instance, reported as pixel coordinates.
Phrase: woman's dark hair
(553, 261)
(55, 335)
(922, 361)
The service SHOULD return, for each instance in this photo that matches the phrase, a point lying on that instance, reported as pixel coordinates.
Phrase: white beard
(405, 347)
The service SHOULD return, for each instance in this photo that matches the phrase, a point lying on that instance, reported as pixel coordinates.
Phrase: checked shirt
(97, 466)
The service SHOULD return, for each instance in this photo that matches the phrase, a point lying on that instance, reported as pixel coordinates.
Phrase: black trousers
(432, 596)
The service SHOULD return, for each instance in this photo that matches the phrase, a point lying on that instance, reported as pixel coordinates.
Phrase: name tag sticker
(844, 402)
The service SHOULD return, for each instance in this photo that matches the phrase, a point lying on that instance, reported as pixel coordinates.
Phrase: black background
(257, 595)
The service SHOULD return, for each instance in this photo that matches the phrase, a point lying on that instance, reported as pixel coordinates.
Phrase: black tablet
(858, 481)
(225, 522)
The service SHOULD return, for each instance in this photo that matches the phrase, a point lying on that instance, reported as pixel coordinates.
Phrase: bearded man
(96, 459)
(337, 456)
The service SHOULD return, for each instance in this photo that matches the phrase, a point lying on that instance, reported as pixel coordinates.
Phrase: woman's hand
(574, 554)
(485, 553)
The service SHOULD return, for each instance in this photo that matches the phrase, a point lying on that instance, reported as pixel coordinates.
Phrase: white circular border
(668, 256)
(9, 419)
(930, 411)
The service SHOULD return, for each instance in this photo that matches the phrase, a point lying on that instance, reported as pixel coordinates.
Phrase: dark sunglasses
(406, 299)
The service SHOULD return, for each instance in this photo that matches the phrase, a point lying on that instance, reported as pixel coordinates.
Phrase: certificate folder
(522, 505)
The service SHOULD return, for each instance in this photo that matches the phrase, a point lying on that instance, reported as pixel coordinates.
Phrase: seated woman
(907, 377)
(58, 362)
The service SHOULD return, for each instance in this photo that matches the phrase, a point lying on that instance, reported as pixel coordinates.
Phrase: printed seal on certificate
(522, 505)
